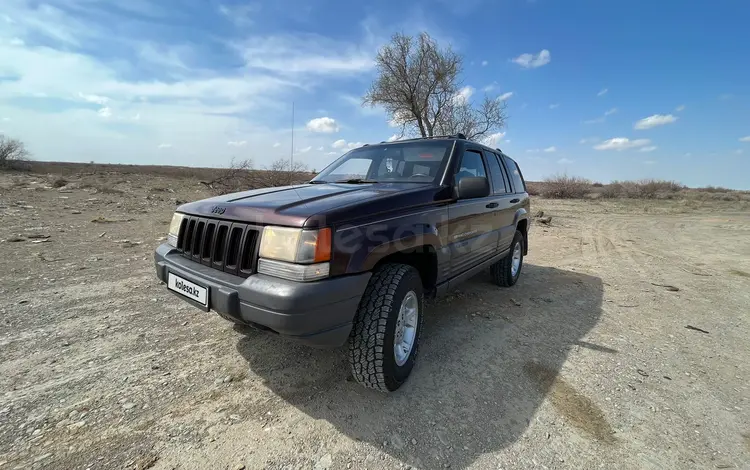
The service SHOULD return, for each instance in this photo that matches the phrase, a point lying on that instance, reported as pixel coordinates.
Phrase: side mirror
(470, 187)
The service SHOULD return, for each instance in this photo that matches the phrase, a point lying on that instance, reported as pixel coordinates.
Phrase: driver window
(471, 165)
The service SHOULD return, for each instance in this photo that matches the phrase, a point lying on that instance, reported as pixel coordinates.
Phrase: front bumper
(317, 313)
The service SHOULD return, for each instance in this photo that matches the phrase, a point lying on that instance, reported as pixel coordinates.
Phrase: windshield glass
(399, 162)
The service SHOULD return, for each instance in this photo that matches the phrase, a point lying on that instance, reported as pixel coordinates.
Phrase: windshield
(399, 162)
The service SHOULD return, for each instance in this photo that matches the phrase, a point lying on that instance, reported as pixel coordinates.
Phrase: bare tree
(12, 152)
(418, 86)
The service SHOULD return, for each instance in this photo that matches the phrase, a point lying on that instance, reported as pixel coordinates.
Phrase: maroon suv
(350, 256)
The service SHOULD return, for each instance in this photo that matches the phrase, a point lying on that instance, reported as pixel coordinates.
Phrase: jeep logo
(218, 210)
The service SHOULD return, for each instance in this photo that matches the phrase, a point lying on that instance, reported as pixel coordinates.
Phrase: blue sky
(602, 89)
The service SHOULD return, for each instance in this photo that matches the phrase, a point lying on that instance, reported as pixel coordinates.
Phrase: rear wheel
(385, 336)
(506, 272)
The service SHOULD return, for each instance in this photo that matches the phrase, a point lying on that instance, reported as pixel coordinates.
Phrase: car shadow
(489, 357)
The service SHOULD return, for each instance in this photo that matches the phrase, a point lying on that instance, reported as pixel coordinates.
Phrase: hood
(313, 205)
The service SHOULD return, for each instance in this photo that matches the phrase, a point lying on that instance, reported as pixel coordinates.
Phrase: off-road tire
(501, 271)
(371, 341)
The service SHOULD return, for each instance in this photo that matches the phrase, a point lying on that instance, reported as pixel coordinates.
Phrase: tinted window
(515, 176)
(496, 172)
(471, 165)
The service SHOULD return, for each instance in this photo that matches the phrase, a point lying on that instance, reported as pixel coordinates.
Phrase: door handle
(513, 201)
(492, 205)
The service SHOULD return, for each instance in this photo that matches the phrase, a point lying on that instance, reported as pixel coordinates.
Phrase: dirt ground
(626, 344)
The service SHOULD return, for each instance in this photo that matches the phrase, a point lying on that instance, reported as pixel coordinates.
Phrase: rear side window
(498, 178)
(471, 165)
(515, 176)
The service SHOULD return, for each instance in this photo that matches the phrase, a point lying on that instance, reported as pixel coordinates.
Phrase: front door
(471, 234)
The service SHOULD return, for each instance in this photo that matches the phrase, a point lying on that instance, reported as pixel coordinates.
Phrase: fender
(521, 213)
(376, 245)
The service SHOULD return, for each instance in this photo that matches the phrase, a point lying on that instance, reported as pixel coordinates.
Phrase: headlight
(295, 254)
(174, 229)
(296, 245)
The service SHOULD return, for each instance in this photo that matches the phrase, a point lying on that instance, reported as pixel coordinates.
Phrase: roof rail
(451, 136)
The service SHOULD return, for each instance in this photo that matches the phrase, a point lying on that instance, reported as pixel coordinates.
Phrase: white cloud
(311, 54)
(745, 139)
(493, 140)
(277, 144)
(564, 161)
(102, 100)
(464, 94)
(594, 121)
(17, 42)
(484, 63)
(105, 112)
(6, 119)
(603, 92)
(354, 145)
(339, 144)
(165, 146)
(330, 154)
(650, 148)
(321, 148)
(654, 121)
(490, 87)
(554, 106)
(601, 119)
(394, 137)
(240, 14)
(505, 96)
(305, 149)
(323, 124)
(531, 61)
(680, 108)
(622, 143)
(551, 149)
(136, 117)
(237, 143)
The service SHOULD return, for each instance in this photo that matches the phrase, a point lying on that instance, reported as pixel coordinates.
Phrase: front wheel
(506, 272)
(385, 336)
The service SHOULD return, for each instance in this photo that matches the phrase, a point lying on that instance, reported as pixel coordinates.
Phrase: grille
(226, 246)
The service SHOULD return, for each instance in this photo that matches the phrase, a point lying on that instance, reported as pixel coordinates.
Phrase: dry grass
(566, 187)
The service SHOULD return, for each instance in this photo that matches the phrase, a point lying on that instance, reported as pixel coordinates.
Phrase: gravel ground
(624, 345)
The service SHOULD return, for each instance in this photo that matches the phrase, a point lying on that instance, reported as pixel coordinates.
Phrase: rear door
(471, 234)
(520, 197)
(504, 215)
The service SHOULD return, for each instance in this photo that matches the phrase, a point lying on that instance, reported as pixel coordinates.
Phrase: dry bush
(13, 154)
(642, 189)
(240, 176)
(566, 187)
(59, 182)
(534, 188)
(597, 184)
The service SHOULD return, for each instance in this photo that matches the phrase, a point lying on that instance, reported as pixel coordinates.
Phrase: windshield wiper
(356, 181)
(317, 182)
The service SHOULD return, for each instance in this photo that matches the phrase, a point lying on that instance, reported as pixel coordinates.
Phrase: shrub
(566, 187)
(59, 182)
(13, 154)
(534, 189)
(597, 184)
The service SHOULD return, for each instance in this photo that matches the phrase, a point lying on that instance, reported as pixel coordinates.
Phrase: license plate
(189, 289)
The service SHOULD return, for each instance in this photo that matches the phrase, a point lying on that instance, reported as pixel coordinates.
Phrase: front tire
(385, 336)
(505, 273)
